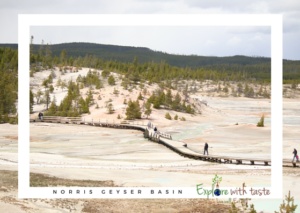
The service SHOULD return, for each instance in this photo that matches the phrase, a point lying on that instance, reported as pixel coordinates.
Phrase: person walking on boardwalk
(41, 116)
(295, 155)
(205, 149)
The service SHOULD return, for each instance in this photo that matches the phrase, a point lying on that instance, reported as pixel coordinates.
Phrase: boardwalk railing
(165, 139)
(58, 119)
(155, 135)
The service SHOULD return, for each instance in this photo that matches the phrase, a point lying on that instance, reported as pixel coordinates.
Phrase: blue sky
(201, 41)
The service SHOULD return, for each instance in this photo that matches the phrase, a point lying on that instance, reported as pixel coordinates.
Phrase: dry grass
(8, 180)
(41, 180)
(156, 205)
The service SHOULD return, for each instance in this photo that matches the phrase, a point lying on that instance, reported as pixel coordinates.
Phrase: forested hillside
(126, 54)
(143, 63)
(106, 56)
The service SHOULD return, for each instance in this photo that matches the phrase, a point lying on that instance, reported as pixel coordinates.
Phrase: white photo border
(25, 21)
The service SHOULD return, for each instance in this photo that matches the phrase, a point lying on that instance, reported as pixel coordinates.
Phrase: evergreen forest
(137, 64)
(8, 84)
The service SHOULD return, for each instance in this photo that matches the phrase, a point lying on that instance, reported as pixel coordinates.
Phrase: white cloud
(210, 42)
(289, 8)
(234, 40)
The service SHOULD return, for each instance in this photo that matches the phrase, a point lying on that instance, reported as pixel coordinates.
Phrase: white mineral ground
(125, 157)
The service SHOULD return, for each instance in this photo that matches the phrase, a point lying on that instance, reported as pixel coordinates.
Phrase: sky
(218, 41)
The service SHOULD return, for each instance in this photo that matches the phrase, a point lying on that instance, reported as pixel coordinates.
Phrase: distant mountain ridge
(257, 67)
(143, 54)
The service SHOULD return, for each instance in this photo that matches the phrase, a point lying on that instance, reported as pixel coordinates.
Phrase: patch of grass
(41, 180)
(9, 179)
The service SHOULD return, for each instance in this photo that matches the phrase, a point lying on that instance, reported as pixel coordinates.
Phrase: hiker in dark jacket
(205, 149)
(295, 155)
(41, 116)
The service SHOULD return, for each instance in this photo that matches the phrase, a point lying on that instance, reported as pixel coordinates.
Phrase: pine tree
(45, 83)
(83, 106)
(189, 109)
(63, 85)
(148, 109)
(138, 113)
(133, 110)
(289, 206)
(156, 103)
(111, 80)
(47, 98)
(51, 89)
(176, 102)
(125, 83)
(168, 98)
(105, 73)
(89, 99)
(261, 122)
(38, 96)
(52, 108)
(31, 102)
(130, 110)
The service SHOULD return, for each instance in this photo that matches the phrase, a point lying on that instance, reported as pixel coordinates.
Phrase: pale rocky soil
(127, 159)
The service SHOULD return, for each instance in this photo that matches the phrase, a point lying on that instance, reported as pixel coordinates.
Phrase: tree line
(237, 68)
(8, 84)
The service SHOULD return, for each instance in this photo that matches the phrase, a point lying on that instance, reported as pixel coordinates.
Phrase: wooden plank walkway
(165, 139)
(183, 149)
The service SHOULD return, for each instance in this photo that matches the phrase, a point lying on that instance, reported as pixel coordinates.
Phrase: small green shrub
(168, 116)
(261, 122)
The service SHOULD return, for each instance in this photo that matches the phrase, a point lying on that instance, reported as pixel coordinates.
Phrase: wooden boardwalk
(166, 139)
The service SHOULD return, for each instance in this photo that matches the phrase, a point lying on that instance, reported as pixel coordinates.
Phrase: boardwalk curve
(165, 139)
